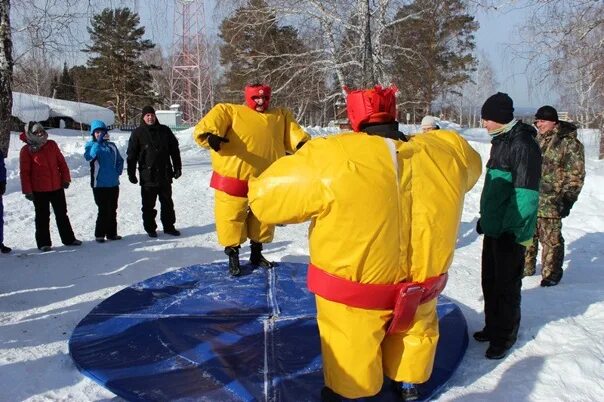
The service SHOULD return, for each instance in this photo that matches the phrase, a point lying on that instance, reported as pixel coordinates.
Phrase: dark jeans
(106, 219)
(502, 266)
(42, 203)
(1, 221)
(149, 196)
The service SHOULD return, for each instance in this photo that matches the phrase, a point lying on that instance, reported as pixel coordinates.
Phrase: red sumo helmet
(255, 91)
(376, 105)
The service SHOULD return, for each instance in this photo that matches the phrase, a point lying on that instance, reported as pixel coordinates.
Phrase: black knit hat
(147, 110)
(498, 108)
(547, 113)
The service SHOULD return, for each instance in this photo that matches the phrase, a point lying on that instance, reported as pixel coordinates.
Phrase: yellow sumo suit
(256, 139)
(382, 211)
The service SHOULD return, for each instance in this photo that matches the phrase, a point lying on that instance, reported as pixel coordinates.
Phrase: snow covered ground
(558, 357)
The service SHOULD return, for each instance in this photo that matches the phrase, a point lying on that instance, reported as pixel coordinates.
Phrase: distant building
(171, 118)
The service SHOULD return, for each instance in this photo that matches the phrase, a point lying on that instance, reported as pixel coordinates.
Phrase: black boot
(408, 391)
(327, 395)
(256, 257)
(233, 253)
(4, 249)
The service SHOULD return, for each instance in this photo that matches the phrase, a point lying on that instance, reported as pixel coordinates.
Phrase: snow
(558, 357)
(39, 108)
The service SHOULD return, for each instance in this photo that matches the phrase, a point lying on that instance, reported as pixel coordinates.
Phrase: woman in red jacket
(44, 176)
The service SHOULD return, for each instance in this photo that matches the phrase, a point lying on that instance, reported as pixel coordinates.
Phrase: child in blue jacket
(3, 248)
(106, 165)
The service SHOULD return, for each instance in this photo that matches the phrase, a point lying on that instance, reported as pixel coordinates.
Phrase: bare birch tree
(6, 75)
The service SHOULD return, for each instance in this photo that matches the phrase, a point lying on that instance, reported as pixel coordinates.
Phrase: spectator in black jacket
(154, 148)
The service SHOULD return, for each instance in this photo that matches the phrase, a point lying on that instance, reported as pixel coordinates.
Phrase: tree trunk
(6, 75)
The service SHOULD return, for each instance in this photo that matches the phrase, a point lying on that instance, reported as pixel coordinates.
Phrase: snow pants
(106, 219)
(149, 195)
(502, 267)
(235, 222)
(357, 353)
(549, 233)
(42, 203)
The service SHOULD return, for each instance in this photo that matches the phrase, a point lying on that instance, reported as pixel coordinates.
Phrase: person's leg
(112, 202)
(59, 207)
(149, 197)
(42, 208)
(509, 265)
(351, 341)
(100, 199)
(230, 216)
(530, 256)
(259, 233)
(553, 252)
(3, 248)
(488, 287)
(167, 214)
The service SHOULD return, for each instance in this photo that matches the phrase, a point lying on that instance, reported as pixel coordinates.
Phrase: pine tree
(439, 34)
(121, 75)
(65, 86)
(258, 49)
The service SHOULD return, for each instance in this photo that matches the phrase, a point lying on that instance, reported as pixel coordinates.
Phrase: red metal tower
(191, 81)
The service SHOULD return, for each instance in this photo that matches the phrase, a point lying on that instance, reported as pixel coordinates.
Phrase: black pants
(149, 195)
(502, 266)
(106, 219)
(42, 203)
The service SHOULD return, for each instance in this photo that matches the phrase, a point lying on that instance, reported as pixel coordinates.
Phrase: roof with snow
(39, 108)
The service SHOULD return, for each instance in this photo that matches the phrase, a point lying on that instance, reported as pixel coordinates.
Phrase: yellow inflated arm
(290, 190)
(294, 134)
(217, 121)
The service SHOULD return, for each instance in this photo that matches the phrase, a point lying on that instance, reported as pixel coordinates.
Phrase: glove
(478, 227)
(132, 179)
(2, 187)
(29, 196)
(177, 173)
(66, 185)
(566, 207)
(215, 141)
(101, 139)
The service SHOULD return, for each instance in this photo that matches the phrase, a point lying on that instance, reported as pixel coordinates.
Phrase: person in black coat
(154, 148)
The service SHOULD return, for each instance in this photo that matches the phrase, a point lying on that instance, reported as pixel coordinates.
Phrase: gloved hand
(215, 141)
(478, 227)
(66, 185)
(101, 139)
(29, 196)
(132, 179)
(2, 187)
(566, 207)
(177, 173)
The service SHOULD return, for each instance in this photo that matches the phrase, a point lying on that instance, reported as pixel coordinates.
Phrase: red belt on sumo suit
(403, 298)
(229, 185)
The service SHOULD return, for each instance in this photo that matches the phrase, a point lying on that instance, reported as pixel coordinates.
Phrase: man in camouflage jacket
(563, 172)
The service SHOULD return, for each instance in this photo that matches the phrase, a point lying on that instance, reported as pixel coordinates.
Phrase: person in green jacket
(508, 215)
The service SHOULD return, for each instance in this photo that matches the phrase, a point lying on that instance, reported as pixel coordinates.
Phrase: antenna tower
(191, 83)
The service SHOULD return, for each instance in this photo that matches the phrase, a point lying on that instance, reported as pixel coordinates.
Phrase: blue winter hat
(97, 125)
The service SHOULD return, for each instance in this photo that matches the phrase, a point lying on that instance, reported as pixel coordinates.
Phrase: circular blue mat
(198, 334)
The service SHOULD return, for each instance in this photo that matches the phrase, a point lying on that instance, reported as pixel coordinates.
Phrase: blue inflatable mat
(199, 334)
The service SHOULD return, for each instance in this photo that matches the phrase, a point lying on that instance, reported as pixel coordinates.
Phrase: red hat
(255, 91)
(376, 105)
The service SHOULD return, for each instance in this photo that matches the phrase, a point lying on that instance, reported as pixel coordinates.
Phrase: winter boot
(4, 249)
(256, 257)
(408, 391)
(233, 253)
(327, 395)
